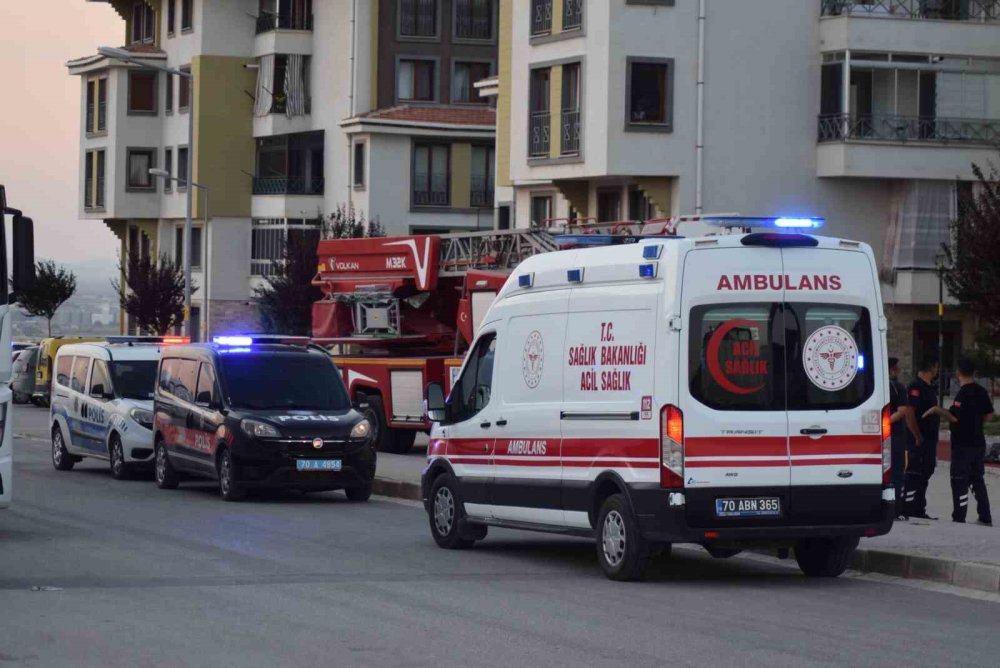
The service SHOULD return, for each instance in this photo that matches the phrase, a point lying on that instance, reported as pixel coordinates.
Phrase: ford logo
(318, 443)
(844, 474)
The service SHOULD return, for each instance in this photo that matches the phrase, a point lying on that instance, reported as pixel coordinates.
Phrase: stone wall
(230, 316)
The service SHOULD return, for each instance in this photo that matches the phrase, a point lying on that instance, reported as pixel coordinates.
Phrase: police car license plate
(759, 507)
(318, 465)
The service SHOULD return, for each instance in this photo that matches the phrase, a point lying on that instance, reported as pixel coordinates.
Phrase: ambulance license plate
(758, 507)
(318, 465)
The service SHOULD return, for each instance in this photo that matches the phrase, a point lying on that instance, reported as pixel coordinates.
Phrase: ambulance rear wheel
(824, 557)
(621, 551)
(447, 515)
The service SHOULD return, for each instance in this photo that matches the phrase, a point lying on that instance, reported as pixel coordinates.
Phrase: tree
(286, 298)
(153, 293)
(53, 286)
(346, 222)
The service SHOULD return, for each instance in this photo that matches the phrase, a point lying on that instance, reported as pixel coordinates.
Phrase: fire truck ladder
(500, 250)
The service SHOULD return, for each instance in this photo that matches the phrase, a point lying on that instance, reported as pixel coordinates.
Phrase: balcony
(481, 192)
(287, 185)
(539, 127)
(979, 11)
(572, 15)
(903, 129)
(541, 17)
(434, 195)
(570, 132)
(474, 19)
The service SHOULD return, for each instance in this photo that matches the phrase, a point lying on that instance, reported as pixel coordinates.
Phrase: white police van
(102, 403)
(727, 391)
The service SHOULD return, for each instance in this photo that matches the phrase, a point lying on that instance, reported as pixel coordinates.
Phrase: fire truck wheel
(824, 557)
(446, 514)
(621, 550)
(404, 440)
(374, 412)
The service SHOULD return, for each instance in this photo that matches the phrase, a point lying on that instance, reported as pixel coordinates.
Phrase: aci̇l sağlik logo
(830, 358)
(533, 359)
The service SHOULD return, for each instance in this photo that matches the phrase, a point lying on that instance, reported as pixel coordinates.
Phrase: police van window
(100, 378)
(134, 379)
(78, 381)
(187, 380)
(471, 393)
(64, 369)
(206, 385)
(282, 381)
(830, 362)
(168, 372)
(736, 356)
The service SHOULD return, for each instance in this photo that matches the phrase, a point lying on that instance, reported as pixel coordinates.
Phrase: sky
(40, 120)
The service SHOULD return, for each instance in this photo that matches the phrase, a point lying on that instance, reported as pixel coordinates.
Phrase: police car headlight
(142, 417)
(361, 430)
(257, 429)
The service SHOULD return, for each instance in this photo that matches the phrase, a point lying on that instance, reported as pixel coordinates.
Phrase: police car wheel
(621, 551)
(446, 514)
(61, 459)
(358, 494)
(116, 454)
(229, 487)
(824, 557)
(166, 477)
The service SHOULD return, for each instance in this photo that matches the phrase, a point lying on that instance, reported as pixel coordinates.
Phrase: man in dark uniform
(971, 409)
(922, 448)
(903, 423)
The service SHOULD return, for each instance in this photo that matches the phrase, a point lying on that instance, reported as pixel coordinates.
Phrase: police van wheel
(824, 557)
(116, 454)
(622, 552)
(61, 459)
(359, 494)
(166, 477)
(447, 516)
(229, 487)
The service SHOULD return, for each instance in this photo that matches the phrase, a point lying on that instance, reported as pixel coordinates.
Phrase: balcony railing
(942, 10)
(435, 195)
(481, 192)
(419, 20)
(287, 185)
(268, 21)
(539, 127)
(541, 17)
(570, 132)
(472, 26)
(280, 104)
(906, 129)
(572, 14)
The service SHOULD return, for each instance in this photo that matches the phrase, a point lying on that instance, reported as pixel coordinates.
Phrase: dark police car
(258, 415)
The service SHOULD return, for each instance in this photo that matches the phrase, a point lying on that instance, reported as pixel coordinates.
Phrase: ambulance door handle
(501, 422)
(485, 425)
(812, 431)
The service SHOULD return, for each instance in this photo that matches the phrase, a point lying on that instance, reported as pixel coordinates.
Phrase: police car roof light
(861, 362)
(574, 275)
(808, 222)
(233, 340)
(525, 280)
(779, 240)
(779, 222)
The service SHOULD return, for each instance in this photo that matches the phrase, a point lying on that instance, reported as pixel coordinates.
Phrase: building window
(541, 210)
(649, 94)
(187, 15)
(269, 237)
(539, 122)
(418, 18)
(169, 97)
(359, 164)
(482, 178)
(284, 15)
(143, 23)
(431, 175)
(572, 15)
(102, 105)
(463, 81)
(640, 207)
(288, 84)
(88, 180)
(182, 167)
(141, 92)
(168, 165)
(474, 19)
(196, 254)
(569, 126)
(171, 16)
(541, 17)
(415, 80)
(93, 182)
(184, 90)
(609, 206)
(91, 105)
(140, 161)
(290, 164)
(99, 180)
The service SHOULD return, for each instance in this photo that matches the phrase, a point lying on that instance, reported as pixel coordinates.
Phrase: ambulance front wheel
(622, 552)
(447, 516)
(824, 557)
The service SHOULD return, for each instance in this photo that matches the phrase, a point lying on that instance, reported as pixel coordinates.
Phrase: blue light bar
(782, 222)
(236, 350)
(233, 340)
(574, 275)
(652, 251)
(861, 362)
(647, 270)
(526, 280)
(811, 223)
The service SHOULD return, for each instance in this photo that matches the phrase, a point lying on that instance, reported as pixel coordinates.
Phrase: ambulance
(728, 391)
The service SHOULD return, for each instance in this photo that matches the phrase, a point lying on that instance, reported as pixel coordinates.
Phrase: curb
(967, 574)
(396, 488)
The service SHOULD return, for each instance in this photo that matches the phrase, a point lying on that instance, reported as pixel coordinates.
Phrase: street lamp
(129, 58)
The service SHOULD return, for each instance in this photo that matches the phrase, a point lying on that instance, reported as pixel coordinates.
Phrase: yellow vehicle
(47, 349)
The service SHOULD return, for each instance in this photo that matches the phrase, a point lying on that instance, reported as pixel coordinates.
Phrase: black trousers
(922, 462)
(967, 470)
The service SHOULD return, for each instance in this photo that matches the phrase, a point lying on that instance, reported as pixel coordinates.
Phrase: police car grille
(304, 446)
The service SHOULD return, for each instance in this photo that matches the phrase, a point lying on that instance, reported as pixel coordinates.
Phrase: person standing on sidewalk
(903, 421)
(922, 449)
(971, 409)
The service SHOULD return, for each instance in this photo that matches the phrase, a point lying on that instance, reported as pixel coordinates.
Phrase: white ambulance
(727, 391)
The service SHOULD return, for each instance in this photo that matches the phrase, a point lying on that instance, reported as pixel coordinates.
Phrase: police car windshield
(134, 379)
(271, 382)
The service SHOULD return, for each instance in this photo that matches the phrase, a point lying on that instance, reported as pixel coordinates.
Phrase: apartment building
(869, 113)
(300, 108)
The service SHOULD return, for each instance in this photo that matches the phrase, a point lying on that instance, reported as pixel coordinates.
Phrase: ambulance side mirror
(434, 402)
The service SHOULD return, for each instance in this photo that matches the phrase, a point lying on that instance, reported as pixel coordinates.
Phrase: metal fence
(541, 17)
(941, 10)
(538, 133)
(481, 192)
(570, 132)
(418, 18)
(474, 19)
(893, 128)
(572, 14)
(287, 185)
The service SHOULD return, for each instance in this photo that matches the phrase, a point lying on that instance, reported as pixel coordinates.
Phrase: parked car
(47, 349)
(22, 382)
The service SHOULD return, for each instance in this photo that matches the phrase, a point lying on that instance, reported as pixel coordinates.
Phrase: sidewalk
(965, 555)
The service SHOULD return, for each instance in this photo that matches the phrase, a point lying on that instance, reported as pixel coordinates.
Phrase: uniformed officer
(904, 423)
(971, 409)
(922, 448)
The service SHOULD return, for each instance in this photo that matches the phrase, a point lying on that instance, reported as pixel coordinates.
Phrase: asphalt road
(95, 572)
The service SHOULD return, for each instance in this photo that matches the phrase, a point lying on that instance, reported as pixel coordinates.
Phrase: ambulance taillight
(671, 447)
(886, 446)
